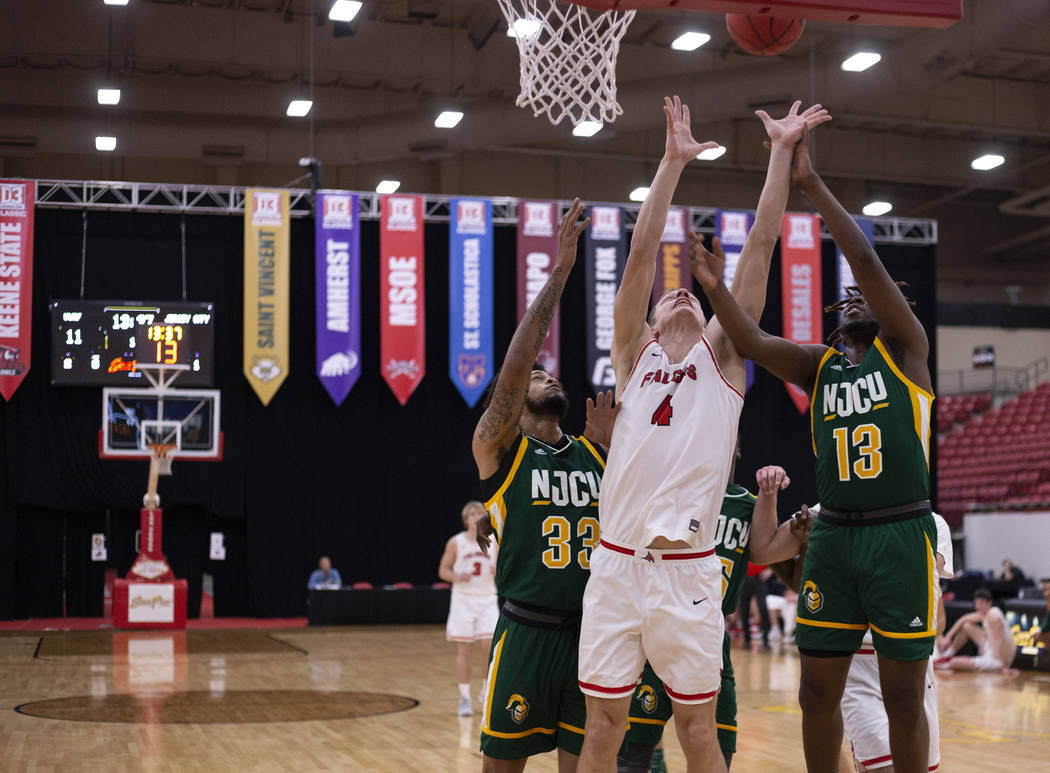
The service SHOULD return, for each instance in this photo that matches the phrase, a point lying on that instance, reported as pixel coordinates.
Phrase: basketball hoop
(160, 455)
(568, 58)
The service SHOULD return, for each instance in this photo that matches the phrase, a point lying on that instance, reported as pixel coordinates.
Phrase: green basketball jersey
(731, 543)
(871, 433)
(545, 514)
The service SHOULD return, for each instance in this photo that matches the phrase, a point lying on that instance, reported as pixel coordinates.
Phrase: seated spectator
(325, 577)
(1012, 573)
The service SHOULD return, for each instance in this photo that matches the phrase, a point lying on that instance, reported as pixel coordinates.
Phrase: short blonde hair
(470, 506)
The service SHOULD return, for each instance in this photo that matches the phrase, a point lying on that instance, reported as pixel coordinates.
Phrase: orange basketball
(764, 35)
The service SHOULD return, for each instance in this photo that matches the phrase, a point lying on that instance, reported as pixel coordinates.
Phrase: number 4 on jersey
(662, 414)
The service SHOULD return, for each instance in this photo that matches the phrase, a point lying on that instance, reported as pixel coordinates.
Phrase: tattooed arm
(499, 423)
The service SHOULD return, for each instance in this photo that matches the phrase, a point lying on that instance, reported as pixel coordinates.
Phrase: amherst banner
(732, 229)
(265, 291)
(16, 282)
(672, 266)
(800, 286)
(402, 325)
(845, 272)
(606, 255)
(337, 245)
(537, 251)
(470, 297)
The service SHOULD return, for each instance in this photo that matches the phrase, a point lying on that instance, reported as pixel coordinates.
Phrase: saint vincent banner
(606, 255)
(265, 291)
(470, 297)
(337, 246)
(672, 264)
(537, 251)
(16, 281)
(800, 286)
(402, 326)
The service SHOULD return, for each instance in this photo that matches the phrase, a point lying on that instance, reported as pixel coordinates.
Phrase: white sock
(464, 690)
(484, 687)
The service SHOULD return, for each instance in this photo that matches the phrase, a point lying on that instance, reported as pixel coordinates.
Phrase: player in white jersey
(474, 609)
(988, 629)
(864, 720)
(655, 584)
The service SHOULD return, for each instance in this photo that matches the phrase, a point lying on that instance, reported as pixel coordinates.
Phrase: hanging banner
(845, 272)
(800, 285)
(16, 282)
(470, 297)
(265, 291)
(537, 251)
(402, 327)
(606, 255)
(337, 245)
(732, 228)
(672, 264)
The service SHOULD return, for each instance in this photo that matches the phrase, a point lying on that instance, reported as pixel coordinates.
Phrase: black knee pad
(634, 758)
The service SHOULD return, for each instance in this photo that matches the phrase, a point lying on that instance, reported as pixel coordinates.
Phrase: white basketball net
(568, 58)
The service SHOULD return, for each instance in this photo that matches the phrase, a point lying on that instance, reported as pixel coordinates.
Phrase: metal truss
(177, 198)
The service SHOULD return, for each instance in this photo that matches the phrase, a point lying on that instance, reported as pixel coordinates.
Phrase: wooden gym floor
(380, 699)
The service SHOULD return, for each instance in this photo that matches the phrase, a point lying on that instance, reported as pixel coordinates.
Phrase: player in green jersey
(747, 531)
(540, 488)
(870, 559)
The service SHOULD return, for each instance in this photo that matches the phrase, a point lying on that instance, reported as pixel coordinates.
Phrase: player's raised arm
(795, 363)
(632, 298)
(498, 425)
(898, 326)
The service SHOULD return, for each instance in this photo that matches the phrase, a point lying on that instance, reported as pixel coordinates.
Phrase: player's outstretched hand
(483, 534)
(680, 145)
(708, 267)
(801, 163)
(788, 131)
(802, 524)
(601, 416)
(772, 479)
(569, 233)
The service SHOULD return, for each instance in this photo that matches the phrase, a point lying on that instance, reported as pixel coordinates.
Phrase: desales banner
(16, 282)
(537, 252)
(800, 285)
(470, 363)
(402, 326)
(337, 245)
(606, 255)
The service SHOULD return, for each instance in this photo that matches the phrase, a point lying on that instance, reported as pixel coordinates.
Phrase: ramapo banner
(338, 298)
(402, 327)
(470, 297)
(672, 265)
(606, 255)
(800, 286)
(265, 291)
(16, 282)
(537, 251)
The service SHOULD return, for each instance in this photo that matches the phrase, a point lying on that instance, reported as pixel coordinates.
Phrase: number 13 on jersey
(867, 439)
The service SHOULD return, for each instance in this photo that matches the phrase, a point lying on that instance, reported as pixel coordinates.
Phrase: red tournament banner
(800, 285)
(16, 282)
(537, 251)
(672, 265)
(402, 327)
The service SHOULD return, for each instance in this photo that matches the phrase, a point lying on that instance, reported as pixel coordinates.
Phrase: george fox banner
(402, 322)
(672, 265)
(16, 281)
(800, 286)
(337, 246)
(845, 278)
(470, 297)
(537, 251)
(265, 291)
(606, 254)
(732, 228)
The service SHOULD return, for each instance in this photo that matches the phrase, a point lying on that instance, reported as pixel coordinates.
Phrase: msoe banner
(402, 327)
(606, 255)
(800, 285)
(537, 250)
(16, 281)
(470, 297)
(338, 301)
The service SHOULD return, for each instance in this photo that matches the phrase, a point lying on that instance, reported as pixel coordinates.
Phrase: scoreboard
(103, 343)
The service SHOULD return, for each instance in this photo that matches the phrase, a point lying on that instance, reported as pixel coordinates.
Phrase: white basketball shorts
(660, 605)
(471, 617)
(864, 714)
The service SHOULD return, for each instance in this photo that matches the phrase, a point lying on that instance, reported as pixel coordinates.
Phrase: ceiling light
(861, 61)
(690, 41)
(712, 153)
(108, 96)
(876, 208)
(448, 118)
(297, 108)
(388, 186)
(344, 10)
(586, 129)
(987, 161)
(524, 28)
(115, 2)
(105, 143)
(639, 194)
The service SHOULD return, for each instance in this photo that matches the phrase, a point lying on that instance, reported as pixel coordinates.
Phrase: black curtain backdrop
(376, 486)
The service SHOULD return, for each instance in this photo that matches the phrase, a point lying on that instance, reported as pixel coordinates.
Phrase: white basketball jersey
(672, 446)
(481, 568)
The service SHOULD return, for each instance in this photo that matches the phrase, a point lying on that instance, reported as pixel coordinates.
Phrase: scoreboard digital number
(104, 343)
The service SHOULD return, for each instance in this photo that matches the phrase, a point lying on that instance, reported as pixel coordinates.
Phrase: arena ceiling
(205, 84)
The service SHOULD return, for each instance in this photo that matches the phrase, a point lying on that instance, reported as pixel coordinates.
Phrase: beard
(551, 404)
(860, 329)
